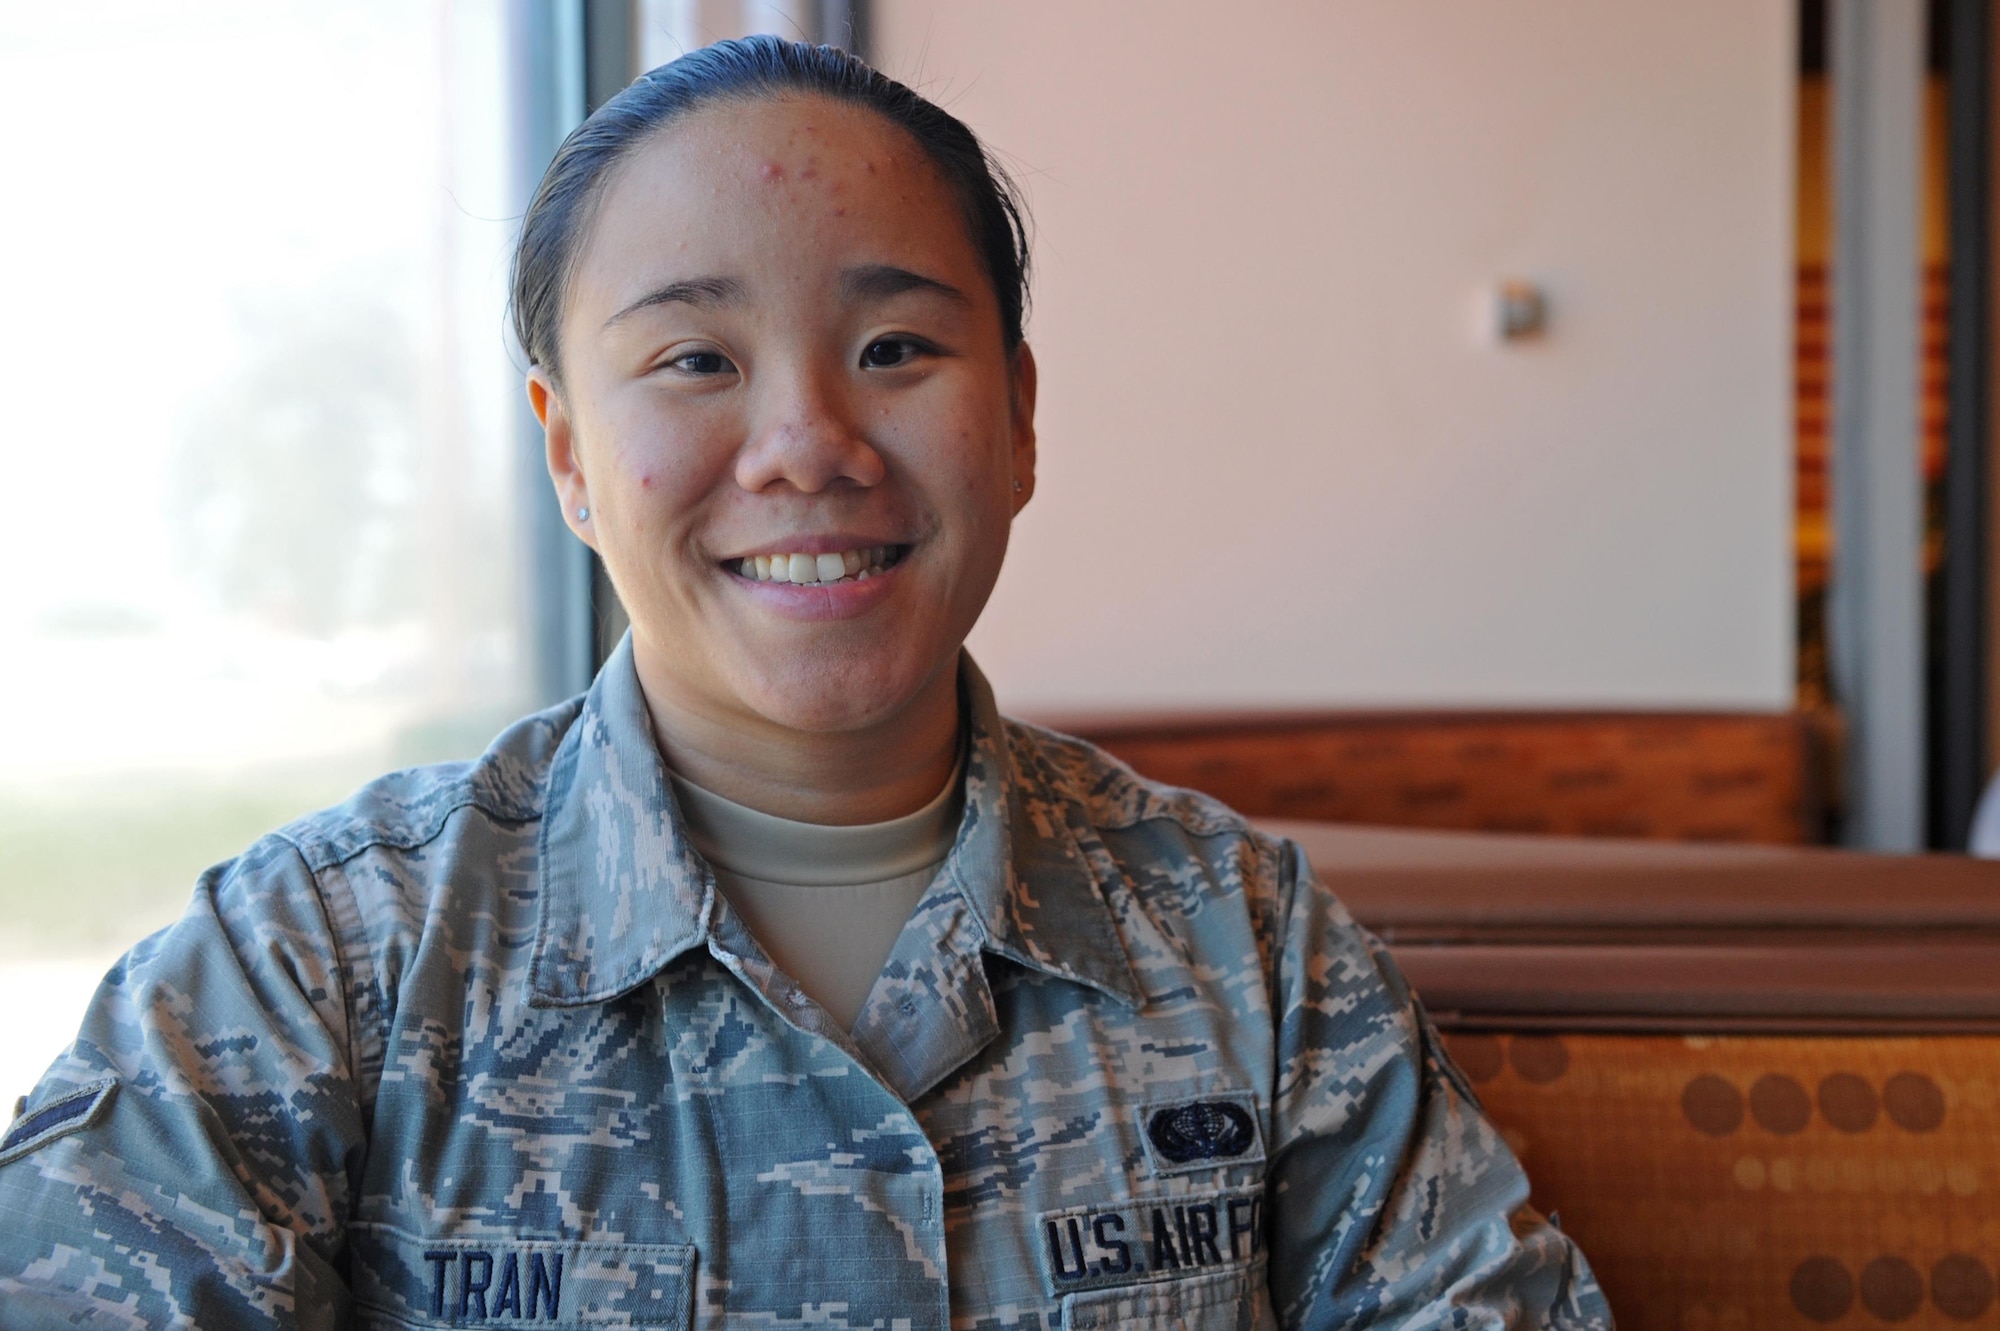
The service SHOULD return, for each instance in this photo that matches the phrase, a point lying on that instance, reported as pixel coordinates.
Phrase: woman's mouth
(806, 570)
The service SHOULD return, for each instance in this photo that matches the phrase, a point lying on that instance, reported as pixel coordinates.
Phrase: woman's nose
(807, 437)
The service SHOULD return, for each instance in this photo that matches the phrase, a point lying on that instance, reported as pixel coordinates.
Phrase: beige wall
(1279, 467)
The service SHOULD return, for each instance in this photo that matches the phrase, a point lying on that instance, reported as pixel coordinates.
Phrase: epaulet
(1114, 795)
(406, 809)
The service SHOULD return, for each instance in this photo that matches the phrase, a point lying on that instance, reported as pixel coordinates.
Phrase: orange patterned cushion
(1738, 1183)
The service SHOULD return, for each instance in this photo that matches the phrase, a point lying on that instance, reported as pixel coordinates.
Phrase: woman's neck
(841, 778)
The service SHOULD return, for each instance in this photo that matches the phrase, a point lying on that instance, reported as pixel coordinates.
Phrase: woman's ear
(559, 451)
(1021, 397)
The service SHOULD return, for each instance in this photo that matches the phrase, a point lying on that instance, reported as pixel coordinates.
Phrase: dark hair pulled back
(744, 69)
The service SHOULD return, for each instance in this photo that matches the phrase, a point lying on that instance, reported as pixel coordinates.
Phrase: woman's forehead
(751, 181)
(796, 130)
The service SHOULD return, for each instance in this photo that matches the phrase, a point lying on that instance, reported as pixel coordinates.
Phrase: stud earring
(1017, 487)
(583, 515)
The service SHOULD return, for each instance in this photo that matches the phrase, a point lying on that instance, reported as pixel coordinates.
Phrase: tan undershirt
(827, 903)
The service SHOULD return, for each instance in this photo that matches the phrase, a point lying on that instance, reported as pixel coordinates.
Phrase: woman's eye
(702, 362)
(889, 352)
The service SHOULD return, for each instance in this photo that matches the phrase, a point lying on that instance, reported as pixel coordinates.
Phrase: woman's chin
(831, 701)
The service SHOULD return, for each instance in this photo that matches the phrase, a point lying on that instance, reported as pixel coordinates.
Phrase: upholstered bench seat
(1760, 1085)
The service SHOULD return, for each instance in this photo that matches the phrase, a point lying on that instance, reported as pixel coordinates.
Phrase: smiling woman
(779, 978)
(854, 396)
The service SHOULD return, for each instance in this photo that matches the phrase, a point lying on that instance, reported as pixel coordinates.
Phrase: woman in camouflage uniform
(533, 1040)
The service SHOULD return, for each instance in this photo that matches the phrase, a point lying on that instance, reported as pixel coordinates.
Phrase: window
(265, 539)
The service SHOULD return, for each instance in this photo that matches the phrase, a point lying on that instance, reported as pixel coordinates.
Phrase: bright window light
(263, 542)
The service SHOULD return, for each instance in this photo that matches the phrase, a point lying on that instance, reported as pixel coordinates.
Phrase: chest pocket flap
(1227, 1301)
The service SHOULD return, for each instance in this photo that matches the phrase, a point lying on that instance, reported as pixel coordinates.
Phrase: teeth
(857, 565)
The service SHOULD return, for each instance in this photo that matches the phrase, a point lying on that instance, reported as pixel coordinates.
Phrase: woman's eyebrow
(701, 292)
(878, 281)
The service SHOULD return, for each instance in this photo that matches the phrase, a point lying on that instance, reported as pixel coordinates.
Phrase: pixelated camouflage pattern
(490, 1026)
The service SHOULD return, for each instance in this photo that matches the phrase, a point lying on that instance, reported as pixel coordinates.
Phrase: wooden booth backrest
(1755, 777)
(1761, 1087)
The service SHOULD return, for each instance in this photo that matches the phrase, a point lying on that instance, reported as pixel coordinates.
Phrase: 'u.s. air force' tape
(1122, 1243)
(58, 1118)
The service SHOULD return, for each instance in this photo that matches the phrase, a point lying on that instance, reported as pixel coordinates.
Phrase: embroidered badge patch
(58, 1118)
(1124, 1243)
(1183, 1135)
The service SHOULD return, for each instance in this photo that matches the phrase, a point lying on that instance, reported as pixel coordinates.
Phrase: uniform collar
(1028, 860)
(623, 890)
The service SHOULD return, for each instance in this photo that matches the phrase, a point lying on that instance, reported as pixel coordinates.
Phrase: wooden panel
(1430, 885)
(1904, 985)
(1683, 777)
(1499, 932)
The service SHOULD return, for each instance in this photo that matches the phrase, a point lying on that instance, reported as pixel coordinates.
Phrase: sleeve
(189, 1161)
(1393, 1201)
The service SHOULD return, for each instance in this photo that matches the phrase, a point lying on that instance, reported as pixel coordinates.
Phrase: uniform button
(909, 1007)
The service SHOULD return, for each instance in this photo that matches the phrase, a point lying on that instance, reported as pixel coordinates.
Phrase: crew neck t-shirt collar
(758, 845)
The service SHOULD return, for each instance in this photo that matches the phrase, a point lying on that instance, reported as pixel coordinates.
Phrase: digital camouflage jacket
(484, 1047)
